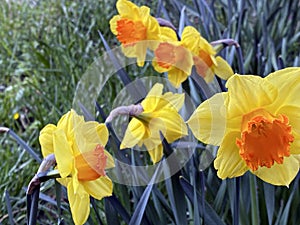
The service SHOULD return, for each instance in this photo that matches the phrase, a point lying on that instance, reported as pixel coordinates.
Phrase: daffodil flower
(175, 59)
(178, 57)
(159, 115)
(134, 26)
(204, 55)
(170, 56)
(256, 124)
(78, 147)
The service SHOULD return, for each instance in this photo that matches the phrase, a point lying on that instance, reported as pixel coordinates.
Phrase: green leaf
(115, 203)
(285, 214)
(110, 213)
(140, 208)
(211, 217)
(269, 194)
(32, 206)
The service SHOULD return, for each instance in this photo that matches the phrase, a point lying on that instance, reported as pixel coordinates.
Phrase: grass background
(46, 46)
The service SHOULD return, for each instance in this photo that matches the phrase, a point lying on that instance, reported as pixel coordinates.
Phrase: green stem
(254, 200)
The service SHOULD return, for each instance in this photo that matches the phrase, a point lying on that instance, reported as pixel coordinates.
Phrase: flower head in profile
(78, 147)
(170, 56)
(204, 56)
(133, 27)
(257, 125)
(159, 116)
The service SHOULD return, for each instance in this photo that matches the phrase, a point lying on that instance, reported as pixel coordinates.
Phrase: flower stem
(254, 200)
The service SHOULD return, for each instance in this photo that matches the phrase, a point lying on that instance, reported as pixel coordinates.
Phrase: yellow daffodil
(134, 26)
(78, 147)
(257, 125)
(175, 59)
(205, 61)
(170, 56)
(160, 114)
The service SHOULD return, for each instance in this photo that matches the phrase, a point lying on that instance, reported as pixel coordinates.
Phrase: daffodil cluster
(138, 31)
(256, 123)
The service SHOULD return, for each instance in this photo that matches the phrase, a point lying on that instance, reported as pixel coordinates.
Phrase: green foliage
(46, 46)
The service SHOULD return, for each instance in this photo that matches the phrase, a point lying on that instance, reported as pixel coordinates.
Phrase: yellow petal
(184, 59)
(133, 134)
(46, 139)
(208, 75)
(63, 153)
(141, 50)
(64, 181)
(247, 92)
(79, 204)
(288, 83)
(113, 24)
(102, 187)
(173, 123)
(156, 154)
(153, 28)
(136, 51)
(223, 69)
(127, 9)
(167, 34)
(156, 90)
(208, 122)
(292, 112)
(205, 45)
(203, 68)
(159, 68)
(280, 174)
(190, 39)
(144, 11)
(155, 127)
(88, 135)
(229, 162)
(152, 98)
(110, 162)
(68, 121)
(176, 77)
(280, 76)
(171, 100)
(193, 41)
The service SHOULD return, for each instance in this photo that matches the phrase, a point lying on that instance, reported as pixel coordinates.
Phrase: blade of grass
(9, 209)
(22, 143)
(121, 72)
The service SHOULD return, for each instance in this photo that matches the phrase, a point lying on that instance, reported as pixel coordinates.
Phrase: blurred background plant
(46, 46)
